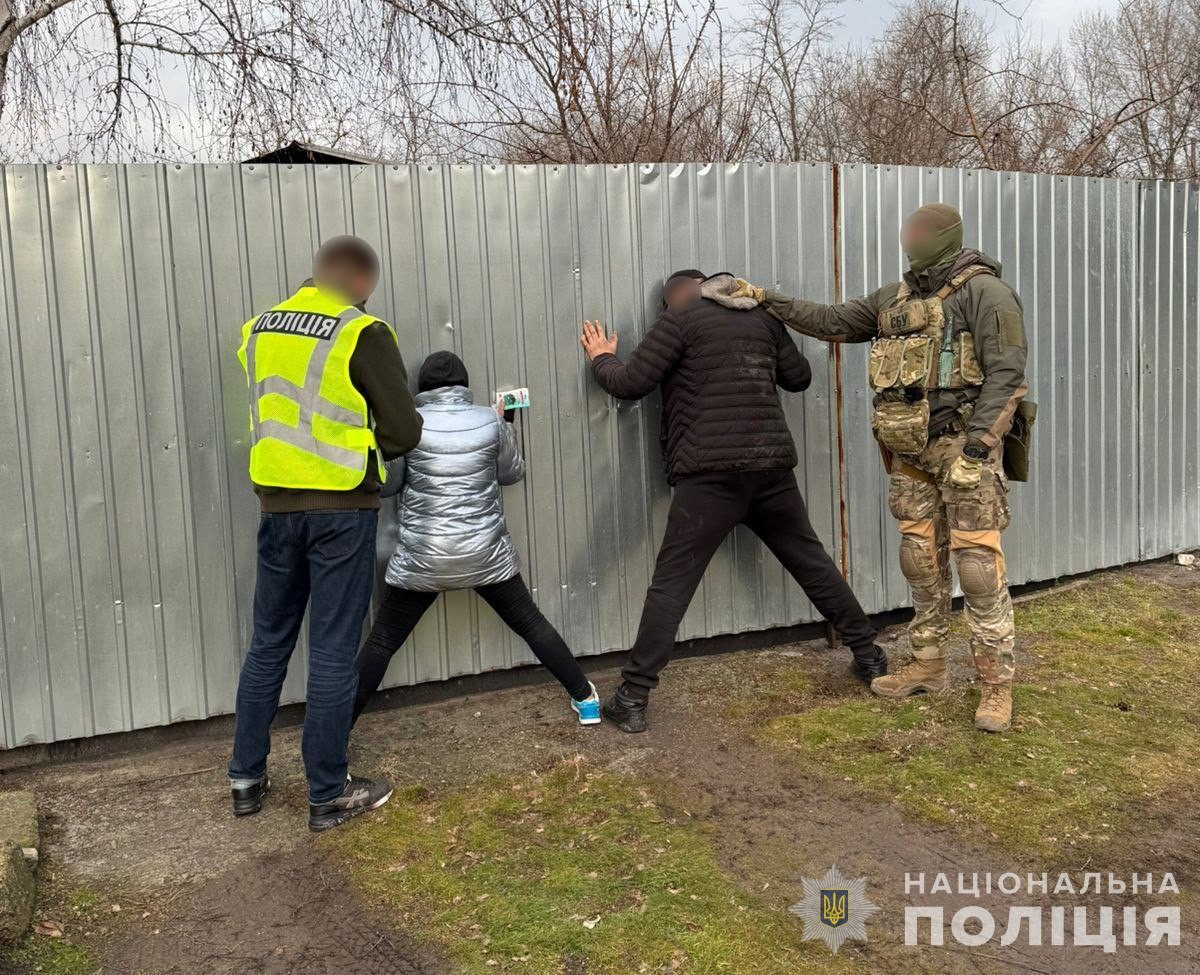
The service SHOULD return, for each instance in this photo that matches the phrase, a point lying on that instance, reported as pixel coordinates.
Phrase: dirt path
(215, 895)
(280, 913)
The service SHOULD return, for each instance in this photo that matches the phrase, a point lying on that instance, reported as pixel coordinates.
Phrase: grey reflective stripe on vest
(327, 409)
(343, 456)
(310, 400)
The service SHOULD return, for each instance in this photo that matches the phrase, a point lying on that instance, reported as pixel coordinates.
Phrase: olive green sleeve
(851, 321)
(377, 371)
(998, 329)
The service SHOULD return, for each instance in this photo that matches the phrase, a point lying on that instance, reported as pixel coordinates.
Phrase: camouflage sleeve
(851, 321)
(998, 330)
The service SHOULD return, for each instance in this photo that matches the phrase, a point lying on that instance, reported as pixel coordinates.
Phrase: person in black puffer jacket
(729, 455)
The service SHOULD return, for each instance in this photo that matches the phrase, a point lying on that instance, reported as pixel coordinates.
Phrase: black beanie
(689, 272)
(442, 369)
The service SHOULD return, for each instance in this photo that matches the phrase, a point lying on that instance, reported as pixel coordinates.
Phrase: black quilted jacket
(718, 368)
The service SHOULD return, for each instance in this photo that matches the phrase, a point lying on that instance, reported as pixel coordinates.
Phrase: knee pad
(981, 569)
(979, 572)
(918, 559)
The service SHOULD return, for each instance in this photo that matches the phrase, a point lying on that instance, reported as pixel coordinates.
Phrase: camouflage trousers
(937, 521)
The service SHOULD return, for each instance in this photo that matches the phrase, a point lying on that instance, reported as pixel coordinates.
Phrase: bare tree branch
(601, 81)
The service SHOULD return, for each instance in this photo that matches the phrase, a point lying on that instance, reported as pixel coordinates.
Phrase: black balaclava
(442, 369)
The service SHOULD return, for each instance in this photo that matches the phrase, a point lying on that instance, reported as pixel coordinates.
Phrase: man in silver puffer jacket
(451, 533)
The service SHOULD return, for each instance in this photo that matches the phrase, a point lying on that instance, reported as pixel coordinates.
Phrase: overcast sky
(861, 19)
(858, 22)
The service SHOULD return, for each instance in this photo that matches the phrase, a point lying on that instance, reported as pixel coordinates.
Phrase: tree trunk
(7, 35)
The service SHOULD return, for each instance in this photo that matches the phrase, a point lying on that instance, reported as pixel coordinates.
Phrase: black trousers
(704, 509)
(402, 609)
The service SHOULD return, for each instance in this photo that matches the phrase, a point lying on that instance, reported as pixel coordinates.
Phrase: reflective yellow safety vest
(309, 427)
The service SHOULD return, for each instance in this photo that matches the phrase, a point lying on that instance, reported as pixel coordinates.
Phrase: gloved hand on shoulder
(744, 289)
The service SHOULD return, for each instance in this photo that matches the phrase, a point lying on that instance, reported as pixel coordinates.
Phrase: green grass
(573, 870)
(776, 686)
(53, 956)
(84, 901)
(76, 909)
(1104, 717)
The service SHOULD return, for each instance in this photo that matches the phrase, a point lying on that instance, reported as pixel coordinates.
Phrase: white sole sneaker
(594, 700)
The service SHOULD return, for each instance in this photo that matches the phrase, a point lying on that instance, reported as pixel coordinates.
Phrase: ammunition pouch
(901, 425)
(901, 363)
(917, 350)
(1018, 443)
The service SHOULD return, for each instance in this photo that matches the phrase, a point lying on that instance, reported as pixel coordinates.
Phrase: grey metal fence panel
(127, 559)
(1170, 369)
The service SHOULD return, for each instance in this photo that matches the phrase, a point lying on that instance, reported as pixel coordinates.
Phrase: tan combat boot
(913, 678)
(995, 708)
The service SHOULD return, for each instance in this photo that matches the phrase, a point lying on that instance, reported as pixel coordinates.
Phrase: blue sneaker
(588, 709)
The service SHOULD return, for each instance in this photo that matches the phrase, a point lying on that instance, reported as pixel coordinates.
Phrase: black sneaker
(870, 665)
(626, 711)
(248, 800)
(359, 796)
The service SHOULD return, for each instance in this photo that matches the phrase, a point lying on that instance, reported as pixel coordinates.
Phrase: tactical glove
(744, 289)
(965, 472)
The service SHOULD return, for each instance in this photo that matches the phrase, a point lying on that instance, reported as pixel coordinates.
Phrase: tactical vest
(919, 349)
(309, 425)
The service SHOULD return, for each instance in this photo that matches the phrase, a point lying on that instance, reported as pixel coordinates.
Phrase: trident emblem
(833, 907)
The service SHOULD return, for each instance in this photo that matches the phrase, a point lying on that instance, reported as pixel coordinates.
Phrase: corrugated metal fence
(127, 546)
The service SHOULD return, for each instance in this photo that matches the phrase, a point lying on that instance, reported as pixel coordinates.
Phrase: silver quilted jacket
(449, 528)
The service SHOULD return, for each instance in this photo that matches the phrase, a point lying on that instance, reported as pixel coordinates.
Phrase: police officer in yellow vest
(329, 402)
(947, 368)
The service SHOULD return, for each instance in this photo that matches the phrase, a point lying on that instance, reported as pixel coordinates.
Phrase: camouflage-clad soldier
(948, 370)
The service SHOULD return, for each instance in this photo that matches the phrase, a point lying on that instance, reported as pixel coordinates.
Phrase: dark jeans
(324, 560)
(402, 609)
(704, 509)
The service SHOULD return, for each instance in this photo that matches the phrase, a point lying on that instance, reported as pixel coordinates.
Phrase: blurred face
(915, 233)
(362, 284)
(348, 281)
(680, 291)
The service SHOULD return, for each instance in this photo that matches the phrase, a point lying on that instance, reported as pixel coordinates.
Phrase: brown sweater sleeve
(377, 371)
